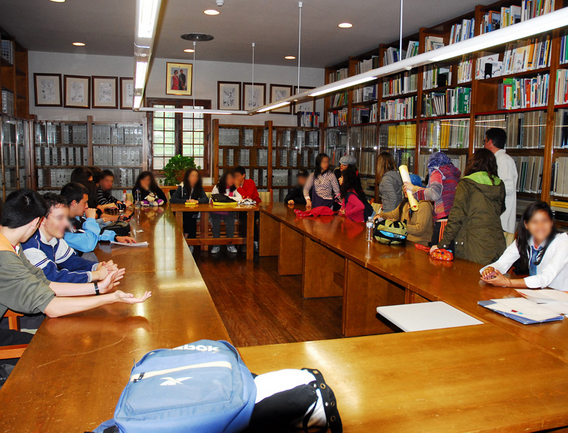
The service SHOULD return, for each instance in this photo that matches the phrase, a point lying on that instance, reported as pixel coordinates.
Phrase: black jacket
(296, 194)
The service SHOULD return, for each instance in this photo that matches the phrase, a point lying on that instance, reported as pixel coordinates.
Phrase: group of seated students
(235, 185)
(458, 213)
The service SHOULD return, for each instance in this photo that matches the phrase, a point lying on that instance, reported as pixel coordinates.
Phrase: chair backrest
(11, 352)
(265, 196)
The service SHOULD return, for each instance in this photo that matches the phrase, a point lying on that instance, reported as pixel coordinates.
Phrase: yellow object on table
(406, 178)
(187, 203)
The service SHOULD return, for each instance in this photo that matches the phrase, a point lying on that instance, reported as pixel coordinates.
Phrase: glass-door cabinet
(14, 138)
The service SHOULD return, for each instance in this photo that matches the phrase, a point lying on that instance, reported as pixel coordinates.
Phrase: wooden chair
(266, 196)
(16, 351)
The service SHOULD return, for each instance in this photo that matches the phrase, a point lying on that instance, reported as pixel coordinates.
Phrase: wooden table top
(71, 375)
(456, 283)
(181, 207)
(476, 378)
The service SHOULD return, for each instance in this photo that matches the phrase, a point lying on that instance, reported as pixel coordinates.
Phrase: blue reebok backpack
(199, 387)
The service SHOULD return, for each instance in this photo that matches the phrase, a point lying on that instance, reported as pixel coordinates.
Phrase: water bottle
(137, 198)
(370, 227)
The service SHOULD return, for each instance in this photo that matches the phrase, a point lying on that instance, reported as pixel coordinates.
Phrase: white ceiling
(107, 26)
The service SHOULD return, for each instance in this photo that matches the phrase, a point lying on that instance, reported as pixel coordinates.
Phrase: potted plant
(175, 169)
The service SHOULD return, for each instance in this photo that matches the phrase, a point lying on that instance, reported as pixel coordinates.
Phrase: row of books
(560, 177)
(61, 133)
(434, 77)
(340, 99)
(337, 117)
(529, 169)
(11, 178)
(307, 119)
(364, 137)
(118, 134)
(61, 155)
(229, 136)
(564, 49)
(307, 139)
(364, 115)
(367, 163)
(340, 74)
(398, 136)
(459, 161)
(433, 42)
(527, 55)
(260, 176)
(398, 109)
(445, 134)
(517, 93)
(403, 157)
(281, 178)
(559, 209)
(8, 106)
(463, 31)
(7, 51)
(393, 55)
(434, 104)
(400, 84)
(367, 65)
(465, 70)
(365, 93)
(524, 130)
(495, 20)
(561, 93)
(117, 156)
(561, 130)
(452, 102)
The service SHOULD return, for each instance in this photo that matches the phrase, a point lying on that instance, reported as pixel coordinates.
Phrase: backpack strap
(329, 403)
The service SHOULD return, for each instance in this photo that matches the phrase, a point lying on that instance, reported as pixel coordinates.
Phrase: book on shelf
(398, 109)
(339, 99)
(337, 117)
(561, 94)
(488, 66)
(340, 74)
(248, 137)
(445, 134)
(434, 77)
(529, 169)
(413, 49)
(525, 130)
(561, 130)
(515, 93)
(400, 84)
(521, 56)
(462, 31)
(465, 69)
(286, 138)
(400, 136)
(262, 157)
(7, 51)
(511, 15)
(433, 43)
(308, 119)
(364, 94)
(229, 136)
(244, 157)
(8, 106)
(564, 49)
(534, 8)
(403, 157)
(560, 178)
(453, 102)
(392, 55)
(364, 115)
(367, 65)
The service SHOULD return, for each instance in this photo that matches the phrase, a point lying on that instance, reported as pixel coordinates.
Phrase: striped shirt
(326, 186)
(105, 197)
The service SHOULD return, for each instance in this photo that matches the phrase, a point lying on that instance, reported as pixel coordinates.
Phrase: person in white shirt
(495, 140)
(542, 250)
(227, 187)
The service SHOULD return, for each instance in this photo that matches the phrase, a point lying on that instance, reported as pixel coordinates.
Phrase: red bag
(315, 212)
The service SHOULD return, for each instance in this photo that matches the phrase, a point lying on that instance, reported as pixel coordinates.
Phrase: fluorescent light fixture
(57, 1)
(189, 50)
(534, 26)
(190, 110)
(211, 12)
(137, 102)
(79, 44)
(141, 70)
(345, 25)
(342, 84)
(273, 106)
(290, 57)
(147, 18)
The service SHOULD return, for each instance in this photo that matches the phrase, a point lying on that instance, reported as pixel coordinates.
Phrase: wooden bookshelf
(14, 79)
(483, 97)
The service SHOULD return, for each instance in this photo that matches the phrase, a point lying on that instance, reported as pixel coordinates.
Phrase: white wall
(206, 75)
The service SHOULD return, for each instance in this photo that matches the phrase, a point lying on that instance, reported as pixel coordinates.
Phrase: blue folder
(520, 319)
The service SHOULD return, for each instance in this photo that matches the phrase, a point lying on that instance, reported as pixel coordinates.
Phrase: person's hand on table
(291, 202)
(125, 240)
(111, 281)
(91, 213)
(434, 248)
(128, 203)
(100, 273)
(192, 201)
(308, 204)
(110, 266)
(488, 273)
(497, 279)
(129, 298)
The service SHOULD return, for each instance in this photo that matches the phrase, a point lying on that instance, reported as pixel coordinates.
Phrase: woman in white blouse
(322, 186)
(542, 250)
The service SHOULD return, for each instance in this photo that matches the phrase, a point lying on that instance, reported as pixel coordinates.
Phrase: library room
(226, 216)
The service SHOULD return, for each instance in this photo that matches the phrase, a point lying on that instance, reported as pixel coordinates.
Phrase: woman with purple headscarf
(441, 189)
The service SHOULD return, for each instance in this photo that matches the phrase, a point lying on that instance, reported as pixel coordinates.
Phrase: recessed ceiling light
(211, 12)
(189, 50)
(345, 25)
(290, 57)
(57, 1)
(79, 44)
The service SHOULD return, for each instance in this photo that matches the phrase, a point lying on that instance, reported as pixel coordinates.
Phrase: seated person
(227, 187)
(245, 187)
(296, 195)
(420, 223)
(83, 232)
(47, 249)
(146, 184)
(84, 176)
(539, 250)
(352, 201)
(104, 191)
(25, 288)
(97, 175)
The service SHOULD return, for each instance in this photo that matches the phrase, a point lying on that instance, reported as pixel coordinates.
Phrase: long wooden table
(205, 240)
(71, 375)
(335, 260)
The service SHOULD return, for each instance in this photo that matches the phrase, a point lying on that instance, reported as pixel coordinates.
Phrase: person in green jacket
(474, 230)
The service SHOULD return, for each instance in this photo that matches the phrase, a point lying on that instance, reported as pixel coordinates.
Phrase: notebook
(522, 310)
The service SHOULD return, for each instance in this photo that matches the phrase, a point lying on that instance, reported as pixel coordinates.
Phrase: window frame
(180, 103)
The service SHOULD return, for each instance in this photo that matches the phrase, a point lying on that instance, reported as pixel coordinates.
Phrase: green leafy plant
(175, 169)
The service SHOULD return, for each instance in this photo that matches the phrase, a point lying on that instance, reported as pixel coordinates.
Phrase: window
(179, 133)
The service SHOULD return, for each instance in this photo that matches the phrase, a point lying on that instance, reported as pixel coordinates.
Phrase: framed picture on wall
(105, 92)
(279, 92)
(228, 95)
(254, 96)
(306, 106)
(47, 90)
(77, 91)
(126, 93)
(179, 78)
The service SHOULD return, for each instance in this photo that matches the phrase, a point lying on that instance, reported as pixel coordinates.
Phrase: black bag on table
(121, 228)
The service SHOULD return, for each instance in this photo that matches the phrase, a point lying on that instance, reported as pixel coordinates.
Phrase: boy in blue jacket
(84, 232)
(47, 249)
